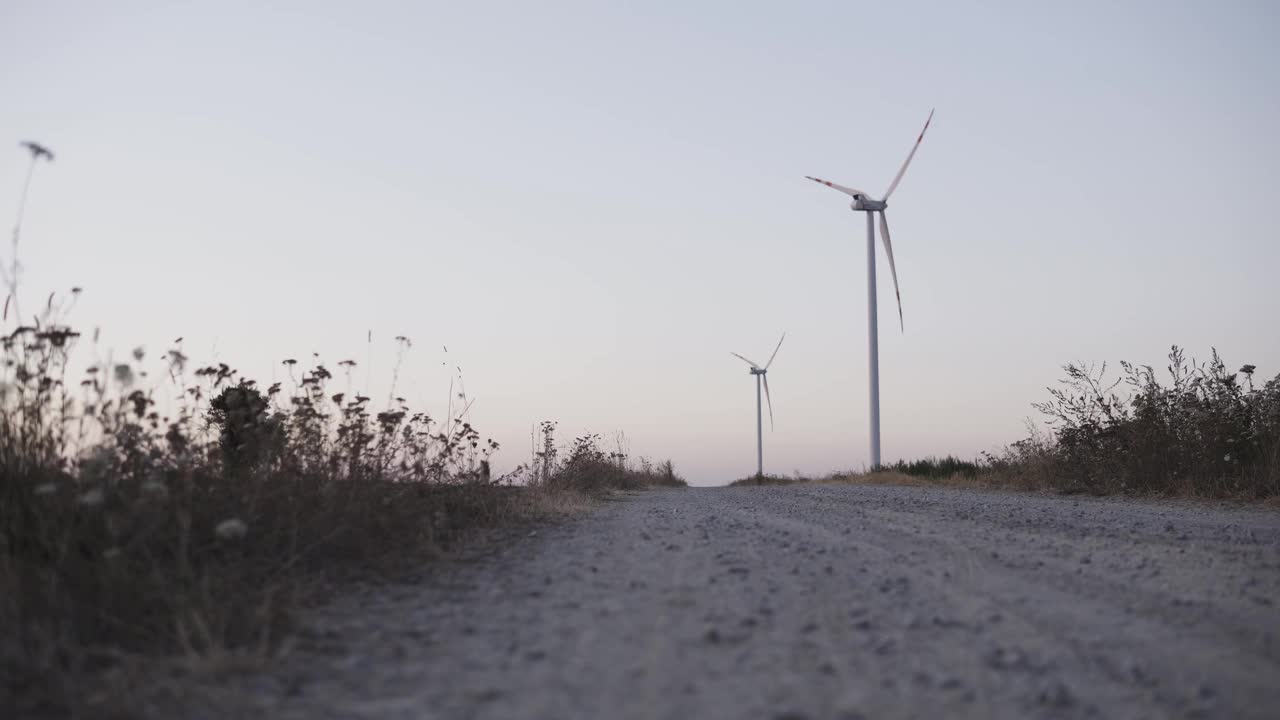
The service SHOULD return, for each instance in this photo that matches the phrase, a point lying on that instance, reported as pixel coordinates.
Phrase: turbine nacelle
(866, 204)
(757, 371)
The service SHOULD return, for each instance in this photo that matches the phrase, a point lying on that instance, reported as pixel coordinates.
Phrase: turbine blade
(888, 250)
(897, 179)
(752, 364)
(775, 351)
(768, 399)
(852, 192)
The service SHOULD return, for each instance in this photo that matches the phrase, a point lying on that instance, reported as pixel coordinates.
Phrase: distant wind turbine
(762, 378)
(862, 202)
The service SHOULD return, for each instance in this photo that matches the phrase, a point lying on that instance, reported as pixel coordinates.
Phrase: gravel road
(812, 602)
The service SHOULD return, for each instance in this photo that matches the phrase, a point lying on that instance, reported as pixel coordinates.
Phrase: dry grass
(893, 477)
(128, 533)
(149, 508)
(587, 467)
(991, 479)
(766, 480)
(879, 477)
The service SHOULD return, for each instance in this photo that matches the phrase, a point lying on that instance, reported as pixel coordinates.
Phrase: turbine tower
(862, 202)
(762, 378)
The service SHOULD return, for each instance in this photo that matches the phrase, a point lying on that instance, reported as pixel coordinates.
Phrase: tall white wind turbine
(762, 378)
(862, 202)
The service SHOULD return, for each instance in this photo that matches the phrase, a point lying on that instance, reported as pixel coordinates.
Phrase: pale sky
(592, 204)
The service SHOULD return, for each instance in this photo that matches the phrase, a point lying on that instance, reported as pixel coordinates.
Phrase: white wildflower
(93, 498)
(1227, 457)
(232, 529)
(46, 488)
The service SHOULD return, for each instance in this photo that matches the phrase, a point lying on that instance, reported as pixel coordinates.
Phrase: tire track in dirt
(809, 602)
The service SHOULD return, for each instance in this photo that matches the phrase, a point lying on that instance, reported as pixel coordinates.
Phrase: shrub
(189, 531)
(1206, 432)
(587, 467)
(191, 526)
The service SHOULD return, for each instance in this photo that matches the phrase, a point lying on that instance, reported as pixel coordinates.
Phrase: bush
(589, 468)
(124, 528)
(1207, 432)
(1203, 432)
(192, 526)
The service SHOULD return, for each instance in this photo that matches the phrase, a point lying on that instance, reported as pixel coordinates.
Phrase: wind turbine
(762, 378)
(862, 202)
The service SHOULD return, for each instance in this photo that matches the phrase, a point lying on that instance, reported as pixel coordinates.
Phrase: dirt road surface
(812, 602)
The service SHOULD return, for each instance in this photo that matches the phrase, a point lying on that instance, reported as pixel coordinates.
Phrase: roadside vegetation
(1194, 430)
(128, 527)
(151, 507)
(586, 466)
